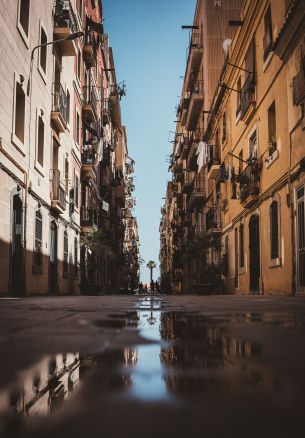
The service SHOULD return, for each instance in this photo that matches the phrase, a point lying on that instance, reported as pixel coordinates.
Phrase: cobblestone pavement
(121, 366)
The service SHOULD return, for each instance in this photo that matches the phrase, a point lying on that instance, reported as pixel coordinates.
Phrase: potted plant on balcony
(272, 146)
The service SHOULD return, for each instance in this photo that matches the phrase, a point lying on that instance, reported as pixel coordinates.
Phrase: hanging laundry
(201, 155)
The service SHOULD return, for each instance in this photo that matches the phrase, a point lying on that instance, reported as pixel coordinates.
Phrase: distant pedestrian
(146, 289)
(152, 286)
(141, 287)
(157, 287)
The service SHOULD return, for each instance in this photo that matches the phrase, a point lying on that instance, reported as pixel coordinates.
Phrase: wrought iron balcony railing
(90, 97)
(214, 155)
(64, 15)
(213, 219)
(88, 217)
(88, 156)
(249, 181)
(58, 193)
(59, 100)
(247, 93)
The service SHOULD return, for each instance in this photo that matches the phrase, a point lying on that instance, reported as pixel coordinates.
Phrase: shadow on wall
(28, 273)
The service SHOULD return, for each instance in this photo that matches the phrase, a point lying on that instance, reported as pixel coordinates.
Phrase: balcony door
(254, 249)
(17, 247)
(300, 239)
(53, 259)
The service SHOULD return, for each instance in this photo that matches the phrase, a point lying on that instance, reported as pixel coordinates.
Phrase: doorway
(300, 239)
(254, 249)
(53, 259)
(17, 247)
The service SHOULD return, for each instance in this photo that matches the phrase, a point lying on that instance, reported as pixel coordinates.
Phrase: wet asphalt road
(122, 366)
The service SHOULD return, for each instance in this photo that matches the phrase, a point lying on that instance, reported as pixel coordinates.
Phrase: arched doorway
(53, 259)
(254, 250)
(17, 247)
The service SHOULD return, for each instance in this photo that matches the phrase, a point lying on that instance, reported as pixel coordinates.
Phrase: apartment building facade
(253, 154)
(55, 127)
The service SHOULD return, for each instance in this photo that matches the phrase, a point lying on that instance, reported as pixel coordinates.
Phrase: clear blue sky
(149, 49)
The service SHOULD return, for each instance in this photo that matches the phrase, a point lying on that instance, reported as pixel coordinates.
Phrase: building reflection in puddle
(186, 354)
(41, 389)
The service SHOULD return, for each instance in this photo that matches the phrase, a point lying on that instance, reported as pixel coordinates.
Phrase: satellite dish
(226, 45)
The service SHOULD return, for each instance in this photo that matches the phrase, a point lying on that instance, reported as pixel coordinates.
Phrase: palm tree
(151, 265)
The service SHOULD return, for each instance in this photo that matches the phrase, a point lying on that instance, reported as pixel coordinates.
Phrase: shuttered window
(75, 256)
(299, 85)
(274, 230)
(66, 251)
(37, 260)
(241, 247)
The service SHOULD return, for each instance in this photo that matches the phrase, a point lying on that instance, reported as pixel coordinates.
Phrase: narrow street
(156, 366)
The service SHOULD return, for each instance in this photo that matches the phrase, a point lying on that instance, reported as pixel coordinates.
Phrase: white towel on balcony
(201, 155)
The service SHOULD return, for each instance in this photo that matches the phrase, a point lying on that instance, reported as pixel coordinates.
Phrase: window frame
(15, 140)
(65, 263)
(24, 36)
(37, 249)
(38, 166)
(275, 261)
(40, 69)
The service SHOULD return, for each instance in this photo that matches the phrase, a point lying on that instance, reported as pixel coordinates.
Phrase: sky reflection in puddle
(188, 357)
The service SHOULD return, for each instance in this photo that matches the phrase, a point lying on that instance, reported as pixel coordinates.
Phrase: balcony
(187, 179)
(59, 108)
(65, 23)
(88, 219)
(106, 111)
(88, 163)
(249, 184)
(195, 55)
(185, 148)
(196, 102)
(197, 196)
(184, 110)
(120, 194)
(58, 194)
(213, 220)
(90, 100)
(192, 158)
(247, 97)
(89, 50)
(214, 161)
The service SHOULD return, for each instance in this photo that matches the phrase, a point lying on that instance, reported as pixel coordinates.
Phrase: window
(241, 246)
(43, 50)
(75, 256)
(40, 141)
(271, 129)
(24, 16)
(241, 161)
(238, 102)
(19, 113)
(267, 39)
(68, 106)
(224, 127)
(76, 190)
(253, 152)
(77, 127)
(79, 61)
(274, 230)
(66, 254)
(37, 259)
(67, 175)
(80, 8)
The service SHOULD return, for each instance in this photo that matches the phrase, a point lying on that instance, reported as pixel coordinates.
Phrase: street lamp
(71, 37)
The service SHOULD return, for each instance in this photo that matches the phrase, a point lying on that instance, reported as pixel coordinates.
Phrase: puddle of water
(189, 357)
